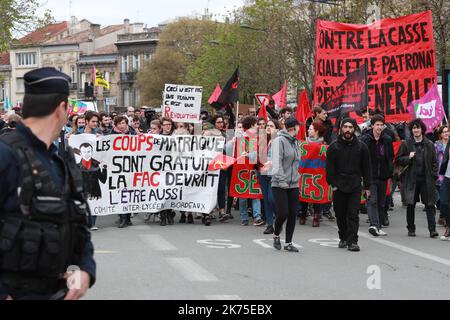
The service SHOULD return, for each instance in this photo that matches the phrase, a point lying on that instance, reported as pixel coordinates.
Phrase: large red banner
(244, 182)
(399, 54)
(313, 183)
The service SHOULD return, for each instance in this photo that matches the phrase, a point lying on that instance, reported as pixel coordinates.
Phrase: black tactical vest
(50, 232)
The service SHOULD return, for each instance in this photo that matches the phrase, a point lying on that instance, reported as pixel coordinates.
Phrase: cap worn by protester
(349, 120)
(46, 81)
(291, 122)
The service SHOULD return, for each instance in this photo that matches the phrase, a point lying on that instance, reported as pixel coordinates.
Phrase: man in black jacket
(381, 158)
(419, 156)
(348, 161)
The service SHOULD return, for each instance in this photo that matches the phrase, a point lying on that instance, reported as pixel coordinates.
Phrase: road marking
(157, 242)
(191, 270)
(223, 297)
(219, 243)
(401, 247)
(104, 251)
(407, 249)
(264, 245)
(334, 243)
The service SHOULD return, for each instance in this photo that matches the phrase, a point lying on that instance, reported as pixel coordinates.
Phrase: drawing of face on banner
(148, 173)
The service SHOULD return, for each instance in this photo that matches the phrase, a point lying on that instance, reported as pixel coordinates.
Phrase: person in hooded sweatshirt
(285, 151)
(348, 162)
(381, 153)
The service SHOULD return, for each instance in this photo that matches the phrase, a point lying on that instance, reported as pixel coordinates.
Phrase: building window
(124, 64)
(136, 62)
(60, 69)
(2, 92)
(83, 80)
(20, 85)
(137, 97)
(73, 74)
(126, 98)
(26, 59)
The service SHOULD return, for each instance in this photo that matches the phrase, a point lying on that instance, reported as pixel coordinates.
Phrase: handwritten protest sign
(182, 103)
(148, 173)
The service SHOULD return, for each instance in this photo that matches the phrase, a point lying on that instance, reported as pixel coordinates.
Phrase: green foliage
(17, 18)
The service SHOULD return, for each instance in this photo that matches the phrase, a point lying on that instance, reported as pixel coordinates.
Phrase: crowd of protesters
(361, 168)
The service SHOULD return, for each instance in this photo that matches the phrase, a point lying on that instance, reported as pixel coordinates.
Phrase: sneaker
(258, 223)
(411, 234)
(434, 234)
(269, 230)
(223, 217)
(446, 236)
(381, 232)
(277, 243)
(291, 248)
(373, 231)
(329, 216)
(342, 244)
(244, 223)
(353, 247)
(94, 228)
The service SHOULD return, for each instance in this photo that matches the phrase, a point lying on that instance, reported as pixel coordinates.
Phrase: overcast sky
(150, 12)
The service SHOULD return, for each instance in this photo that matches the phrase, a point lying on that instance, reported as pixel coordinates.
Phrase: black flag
(350, 96)
(230, 93)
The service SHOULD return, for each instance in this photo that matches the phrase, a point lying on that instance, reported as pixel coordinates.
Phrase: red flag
(303, 112)
(263, 111)
(280, 96)
(215, 95)
(221, 162)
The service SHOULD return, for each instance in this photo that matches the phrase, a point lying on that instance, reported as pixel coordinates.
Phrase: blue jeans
(269, 205)
(445, 200)
(93, 220)
(256, 209)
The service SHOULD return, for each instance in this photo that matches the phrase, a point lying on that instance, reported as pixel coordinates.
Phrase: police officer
(45, 244)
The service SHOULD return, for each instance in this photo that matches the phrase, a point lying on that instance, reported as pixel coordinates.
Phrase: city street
(230, 261)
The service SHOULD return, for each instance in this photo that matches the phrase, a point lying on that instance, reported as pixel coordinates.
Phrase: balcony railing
(128, 76)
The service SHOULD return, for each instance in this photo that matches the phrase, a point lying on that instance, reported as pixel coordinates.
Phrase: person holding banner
(121, 127)
(285, 181)
(442, 134)
(265, 173)
(316, 132)
(417, 156)
(348, 162)
(381, 153)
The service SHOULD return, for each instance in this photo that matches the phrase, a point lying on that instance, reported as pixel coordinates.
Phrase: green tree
(180, 45)
(18, 17)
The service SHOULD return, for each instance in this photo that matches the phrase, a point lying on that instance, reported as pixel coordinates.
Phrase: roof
(83, 36)
(111, 49)
(44, 33)
(4, 58)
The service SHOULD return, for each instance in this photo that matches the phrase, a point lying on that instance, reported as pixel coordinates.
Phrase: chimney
(138, 27)
(95, 30)
(126, 22)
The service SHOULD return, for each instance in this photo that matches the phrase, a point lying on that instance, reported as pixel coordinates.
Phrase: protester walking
(381, 158)
(417, 156)
(348, 161)
(285, 181)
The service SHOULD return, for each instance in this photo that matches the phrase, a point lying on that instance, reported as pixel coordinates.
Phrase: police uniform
(43, 213)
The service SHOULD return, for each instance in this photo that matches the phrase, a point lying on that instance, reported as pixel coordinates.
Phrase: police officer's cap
(46, 81)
